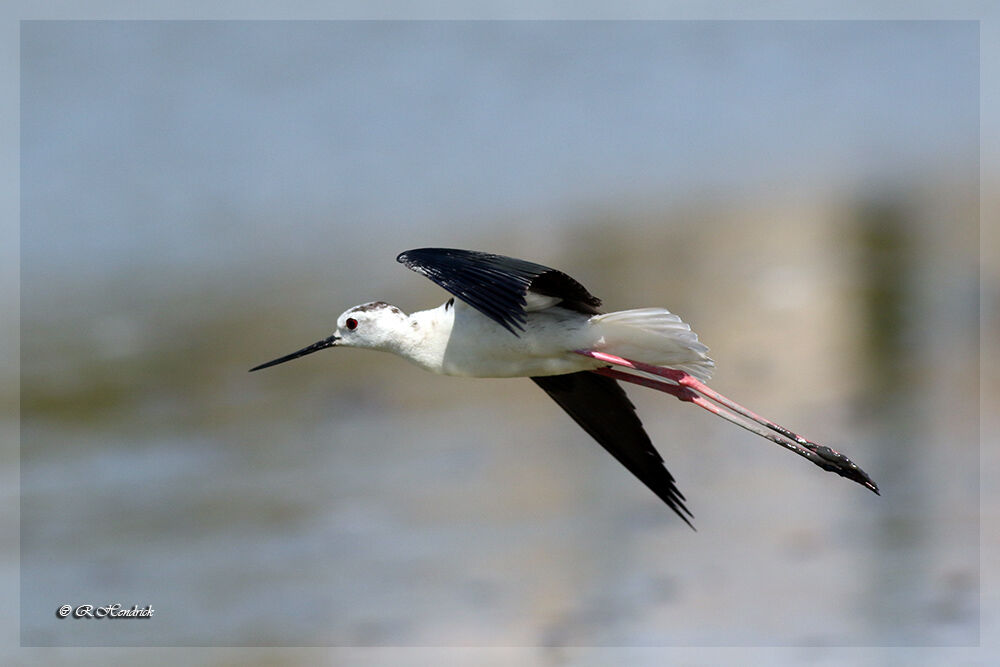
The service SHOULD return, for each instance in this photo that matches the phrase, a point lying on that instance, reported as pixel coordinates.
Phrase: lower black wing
(496, 285)
(600, 406)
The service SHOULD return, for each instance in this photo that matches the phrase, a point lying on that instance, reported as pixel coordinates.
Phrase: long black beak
(315, 347)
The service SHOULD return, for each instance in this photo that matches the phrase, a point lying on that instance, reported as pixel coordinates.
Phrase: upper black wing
(600, 406)
(495, 285)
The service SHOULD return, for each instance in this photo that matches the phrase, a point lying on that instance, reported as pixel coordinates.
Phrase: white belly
(466, 342)
(459, 340)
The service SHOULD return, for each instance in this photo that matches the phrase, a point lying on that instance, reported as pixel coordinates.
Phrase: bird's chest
(478, 347)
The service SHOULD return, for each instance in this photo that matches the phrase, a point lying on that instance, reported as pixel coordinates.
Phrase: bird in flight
(515, 318)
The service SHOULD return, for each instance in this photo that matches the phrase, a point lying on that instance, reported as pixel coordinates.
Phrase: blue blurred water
(199, 146)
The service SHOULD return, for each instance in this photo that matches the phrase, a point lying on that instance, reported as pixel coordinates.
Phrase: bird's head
(372, 325)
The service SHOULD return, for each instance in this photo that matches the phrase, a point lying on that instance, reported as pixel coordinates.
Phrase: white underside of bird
(456, 339)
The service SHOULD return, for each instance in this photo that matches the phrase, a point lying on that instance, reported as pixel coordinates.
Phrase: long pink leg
(690, 389)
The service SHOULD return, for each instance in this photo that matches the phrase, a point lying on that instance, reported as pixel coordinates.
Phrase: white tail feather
(654, 336)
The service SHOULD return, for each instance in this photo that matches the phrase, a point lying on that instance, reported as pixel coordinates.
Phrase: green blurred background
(200, 197)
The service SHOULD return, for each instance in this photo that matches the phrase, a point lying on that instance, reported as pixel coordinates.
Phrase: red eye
(351, 323)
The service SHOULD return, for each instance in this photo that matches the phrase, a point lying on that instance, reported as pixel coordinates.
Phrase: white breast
(459, 340)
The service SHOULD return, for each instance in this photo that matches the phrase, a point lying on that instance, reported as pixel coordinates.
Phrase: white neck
(423, 337)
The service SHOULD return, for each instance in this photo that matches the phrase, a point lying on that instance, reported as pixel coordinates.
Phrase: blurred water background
(200, 197)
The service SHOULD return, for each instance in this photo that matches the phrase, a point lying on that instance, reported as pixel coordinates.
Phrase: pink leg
(690, 389)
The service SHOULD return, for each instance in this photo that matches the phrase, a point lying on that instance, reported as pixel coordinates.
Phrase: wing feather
(601, 407)
(497, 285)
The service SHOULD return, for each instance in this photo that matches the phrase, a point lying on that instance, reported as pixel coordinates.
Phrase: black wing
(496, 285)
(600, 406)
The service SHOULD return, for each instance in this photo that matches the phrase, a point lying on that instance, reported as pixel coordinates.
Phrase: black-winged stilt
(517, 318)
